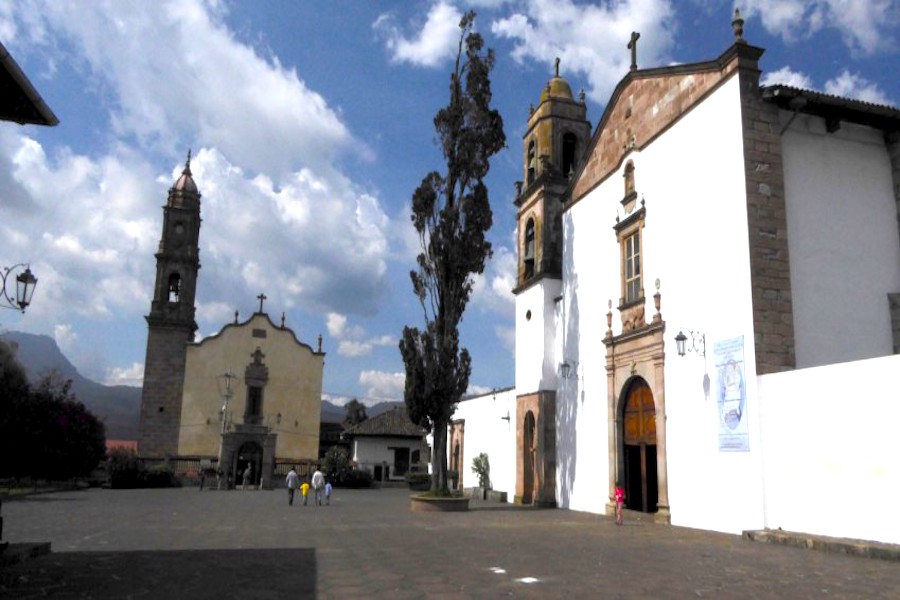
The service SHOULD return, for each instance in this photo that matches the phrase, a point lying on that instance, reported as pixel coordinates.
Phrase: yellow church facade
(276, 383)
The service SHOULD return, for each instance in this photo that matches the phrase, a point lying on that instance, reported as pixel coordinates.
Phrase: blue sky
(311, 125)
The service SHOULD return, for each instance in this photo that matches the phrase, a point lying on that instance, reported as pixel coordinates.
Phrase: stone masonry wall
(162, 392)
(892, 141)
(773, 321)
(643, 106)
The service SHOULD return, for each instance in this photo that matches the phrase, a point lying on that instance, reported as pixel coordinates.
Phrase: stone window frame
(631, 228)
(531, 163)
(529, 239)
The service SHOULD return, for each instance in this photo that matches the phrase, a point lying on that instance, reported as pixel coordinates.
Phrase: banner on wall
(731, 395)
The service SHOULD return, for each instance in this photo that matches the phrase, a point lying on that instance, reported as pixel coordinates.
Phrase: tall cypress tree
(452, 215)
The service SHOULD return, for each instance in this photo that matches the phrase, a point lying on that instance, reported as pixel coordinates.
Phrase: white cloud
(64, 336)
(846, 84)
(853, 85)
(352, 341)
(336, 324)
(786, 76)
(132, 375)
(174, 76)
(866, 26)
(492, 290)
(381, 386)
(590, 39)
(435, 42)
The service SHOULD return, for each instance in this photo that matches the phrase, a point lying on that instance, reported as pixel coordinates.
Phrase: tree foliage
(356, 413)
(45, 432)
(452, 215)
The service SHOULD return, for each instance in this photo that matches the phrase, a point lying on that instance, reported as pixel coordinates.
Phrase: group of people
(320, 486)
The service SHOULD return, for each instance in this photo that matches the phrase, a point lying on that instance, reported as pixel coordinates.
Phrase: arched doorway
(528, 450)
(639, 448)
(249, 456)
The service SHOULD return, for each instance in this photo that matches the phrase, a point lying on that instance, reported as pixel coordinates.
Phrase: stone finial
(609, 315)
(282, 320)
(557, 66)
(235, 317)
(187, 164)
(581, 96)
(737, 25)
(320, 342)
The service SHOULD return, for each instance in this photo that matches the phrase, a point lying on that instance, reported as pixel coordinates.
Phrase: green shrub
(482, 468)
(124, 469)
(354, 478)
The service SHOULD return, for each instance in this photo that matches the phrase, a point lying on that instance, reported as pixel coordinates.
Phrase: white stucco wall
(376, 450)
(695, 241)
(842, 238)
(490, 427)
(830, 449)
(535, 342)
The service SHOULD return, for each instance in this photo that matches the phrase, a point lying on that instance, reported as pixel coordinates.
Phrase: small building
(389, 445)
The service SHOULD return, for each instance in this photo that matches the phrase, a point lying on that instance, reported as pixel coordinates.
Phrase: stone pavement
(184, 543)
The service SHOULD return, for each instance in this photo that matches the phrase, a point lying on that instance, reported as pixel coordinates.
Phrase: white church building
(755, 227)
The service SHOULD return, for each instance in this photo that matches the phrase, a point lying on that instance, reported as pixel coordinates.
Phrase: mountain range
(118, 406)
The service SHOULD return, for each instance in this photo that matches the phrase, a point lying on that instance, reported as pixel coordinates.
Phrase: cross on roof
(632, 45)
(262, 298)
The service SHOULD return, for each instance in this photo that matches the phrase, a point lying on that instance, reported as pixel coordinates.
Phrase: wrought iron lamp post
(25, 282)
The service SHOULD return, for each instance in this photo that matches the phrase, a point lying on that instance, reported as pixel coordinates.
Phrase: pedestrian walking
(292, 480)
(620, 500)
(328, 493)
(318, 484)
(304, 491)
(246, 480)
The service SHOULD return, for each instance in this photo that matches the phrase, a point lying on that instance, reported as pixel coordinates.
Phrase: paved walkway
(189, 544)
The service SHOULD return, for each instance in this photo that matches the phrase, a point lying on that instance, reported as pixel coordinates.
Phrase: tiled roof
(392, 423)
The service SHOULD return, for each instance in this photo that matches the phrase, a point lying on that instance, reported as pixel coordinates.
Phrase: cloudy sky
(310, 125)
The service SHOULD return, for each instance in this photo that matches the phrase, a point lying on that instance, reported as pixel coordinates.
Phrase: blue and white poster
(731, 395)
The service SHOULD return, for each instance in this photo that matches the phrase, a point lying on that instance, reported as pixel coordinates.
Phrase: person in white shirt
(318, 484)
(292, 481)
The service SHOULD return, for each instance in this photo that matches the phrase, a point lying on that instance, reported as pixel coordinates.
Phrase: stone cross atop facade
(632, 45)
(262, 298)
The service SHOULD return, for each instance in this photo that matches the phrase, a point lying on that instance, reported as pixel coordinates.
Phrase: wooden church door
(528, 449)
(640, 480)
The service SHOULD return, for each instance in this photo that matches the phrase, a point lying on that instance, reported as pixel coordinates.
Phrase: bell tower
(171, 324)
(555, 144)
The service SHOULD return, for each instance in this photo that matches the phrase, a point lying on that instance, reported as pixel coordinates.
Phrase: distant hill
(119, 406)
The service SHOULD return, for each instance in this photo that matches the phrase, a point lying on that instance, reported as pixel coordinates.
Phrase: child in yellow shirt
(304, 489)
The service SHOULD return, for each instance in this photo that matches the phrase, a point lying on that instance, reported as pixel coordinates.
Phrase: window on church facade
(569, 146)
(631, 256)
(253, 414)
(174, 287)
(531, 163)
(528, 255)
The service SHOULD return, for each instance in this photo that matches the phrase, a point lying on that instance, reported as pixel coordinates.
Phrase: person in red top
(620, 500)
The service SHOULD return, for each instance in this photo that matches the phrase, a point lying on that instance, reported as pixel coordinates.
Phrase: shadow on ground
(196, 574)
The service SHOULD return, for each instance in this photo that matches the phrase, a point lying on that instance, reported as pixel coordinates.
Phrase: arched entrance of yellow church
(640, 476)
(249, 456)
(528, 451)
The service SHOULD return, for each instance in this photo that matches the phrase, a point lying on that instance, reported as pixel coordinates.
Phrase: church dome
(557, 88)
(186, 183)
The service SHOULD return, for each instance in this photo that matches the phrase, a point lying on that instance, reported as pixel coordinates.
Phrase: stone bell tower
(171, 322)
(555, 144)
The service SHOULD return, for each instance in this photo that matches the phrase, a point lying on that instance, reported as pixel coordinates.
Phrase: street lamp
(25, 282)
(224, 380)
(698, 343)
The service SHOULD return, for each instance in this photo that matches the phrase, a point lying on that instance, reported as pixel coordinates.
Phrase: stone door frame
(640, 353)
